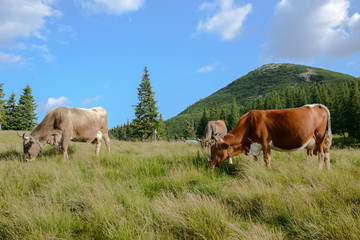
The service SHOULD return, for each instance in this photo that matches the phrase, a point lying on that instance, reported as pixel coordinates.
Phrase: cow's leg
(327, 157)
(65, 144)
(321, 160)
(327, 160)
(257, 158)
(107, 142)
(98, 145)
(320, 148)
(267, 155)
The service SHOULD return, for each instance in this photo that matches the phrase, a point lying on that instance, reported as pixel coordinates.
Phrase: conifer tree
(222, 115)
(161, 131)
(24, 112)
(354, 114)
(190, 132)
(339, 112)
(234, 115)
(146, 112)
(10, 117)
(289, 98)
(316, 97)
(202, 123)
(2, 109)
(213, 113)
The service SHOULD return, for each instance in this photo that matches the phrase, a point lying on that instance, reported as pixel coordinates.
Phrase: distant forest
(342, 99)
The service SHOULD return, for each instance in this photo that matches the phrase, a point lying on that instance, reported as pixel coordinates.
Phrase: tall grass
(163, 190)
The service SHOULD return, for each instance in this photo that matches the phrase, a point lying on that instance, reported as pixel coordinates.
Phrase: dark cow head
(203, 142)
(31, 147)
(219, 153)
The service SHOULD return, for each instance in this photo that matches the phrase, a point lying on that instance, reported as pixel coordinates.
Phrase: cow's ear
(225, 145)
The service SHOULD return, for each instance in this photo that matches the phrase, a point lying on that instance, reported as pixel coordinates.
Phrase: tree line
(18, 115)
(342, 99)
(148, 122)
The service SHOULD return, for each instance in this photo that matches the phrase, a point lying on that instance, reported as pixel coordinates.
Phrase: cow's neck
(235, 139)
(235, 145)
(40, 134)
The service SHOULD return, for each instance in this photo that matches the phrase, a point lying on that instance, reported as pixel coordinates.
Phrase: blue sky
(87, 53)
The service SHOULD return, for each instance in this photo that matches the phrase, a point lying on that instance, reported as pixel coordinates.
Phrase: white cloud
(53, 102)
(116, 7)
(8, 58)
(306, 29)
(90, 100)
(44, 52)
(21, 20)
(207, 68)
(227, 21)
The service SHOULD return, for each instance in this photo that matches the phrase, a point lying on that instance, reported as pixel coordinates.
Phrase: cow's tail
(328, 141)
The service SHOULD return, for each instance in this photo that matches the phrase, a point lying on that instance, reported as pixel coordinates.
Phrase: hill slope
(258, 82)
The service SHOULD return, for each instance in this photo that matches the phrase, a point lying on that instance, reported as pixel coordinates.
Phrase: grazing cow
(64, 124)
(213, 129)
(204, 143)
(280, 130)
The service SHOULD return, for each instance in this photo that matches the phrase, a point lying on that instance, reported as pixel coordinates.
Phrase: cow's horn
(23, 136)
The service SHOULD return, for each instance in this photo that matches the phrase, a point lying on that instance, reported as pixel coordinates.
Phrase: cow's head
(203, 142)
(31, 147)
(219, 153)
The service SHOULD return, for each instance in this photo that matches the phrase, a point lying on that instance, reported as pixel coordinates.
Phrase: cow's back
(87, 120)
(287, 128)
(82, 124)
(103, 117)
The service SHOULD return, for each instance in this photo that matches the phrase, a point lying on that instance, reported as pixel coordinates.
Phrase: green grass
(163, 190)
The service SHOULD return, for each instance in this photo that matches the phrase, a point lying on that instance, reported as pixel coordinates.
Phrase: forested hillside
(274, 86)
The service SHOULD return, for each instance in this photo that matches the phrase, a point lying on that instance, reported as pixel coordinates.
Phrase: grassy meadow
(163, 190)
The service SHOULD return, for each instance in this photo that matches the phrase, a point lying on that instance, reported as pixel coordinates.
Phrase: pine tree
(289, 100)
(190, 130)
(2, 109)
(10, 117)
(146, 112)
(24, 112)
(202, 124)
(302, 97)
(161, 131)
(234, 115)
(222, 115)
(354, 114)
(316, 98)
(339, 113)
(213, 113)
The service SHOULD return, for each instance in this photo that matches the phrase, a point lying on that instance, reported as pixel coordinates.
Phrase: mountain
(269, 77)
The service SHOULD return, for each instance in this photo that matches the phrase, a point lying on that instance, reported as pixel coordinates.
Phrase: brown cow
(280, 130)
(64, 124)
